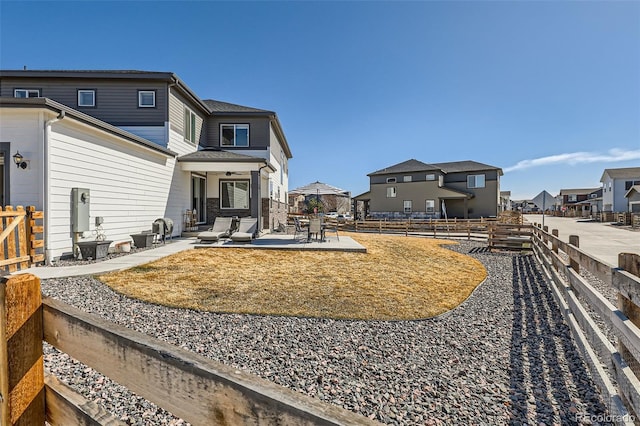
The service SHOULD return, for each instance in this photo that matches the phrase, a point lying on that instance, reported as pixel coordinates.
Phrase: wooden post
(574, 240)
(545, 237)
(21, 360)
(554, 243)
(630, 262)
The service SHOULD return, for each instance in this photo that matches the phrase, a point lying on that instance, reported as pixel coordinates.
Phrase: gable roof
(634, 188)
(408, 166)
(414, 165)
(220, 106)
(578, 191)
(621, 173)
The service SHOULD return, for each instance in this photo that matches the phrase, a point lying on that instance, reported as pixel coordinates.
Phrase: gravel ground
(502, 357)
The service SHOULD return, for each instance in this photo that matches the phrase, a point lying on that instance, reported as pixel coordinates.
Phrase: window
(86, 98)
(572, 197)
(430, 176)
(430, 206)
(391, 192)
(146, 98)
(475, 181)
(407, 206)
(628, 184)
(234, 194)
(234, 135)
(189, 125)
(26, 93)
(407, 179)
(391, 180)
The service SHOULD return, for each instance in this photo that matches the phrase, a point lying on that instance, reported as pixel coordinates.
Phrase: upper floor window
(234, 135)
(475, 181)
(391, 192)
(572, 197)
(406, 179)
(86, 98)
(189, 125)
(26, 93)
(391, 180)
(146, 98)
(629, 183)
(430, 176)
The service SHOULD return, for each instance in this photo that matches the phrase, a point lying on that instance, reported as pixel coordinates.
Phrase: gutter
(46, 183)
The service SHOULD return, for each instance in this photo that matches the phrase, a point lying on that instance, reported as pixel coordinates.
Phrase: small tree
(313, 204)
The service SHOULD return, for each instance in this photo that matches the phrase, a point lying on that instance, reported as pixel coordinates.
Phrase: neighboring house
(333, 199)
(633, 198)
(615, 184)
(575, 201)
(524, 206)
(143, 144)
(413, 189)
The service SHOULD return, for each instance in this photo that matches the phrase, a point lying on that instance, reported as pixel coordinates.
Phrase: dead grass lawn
(400, 278)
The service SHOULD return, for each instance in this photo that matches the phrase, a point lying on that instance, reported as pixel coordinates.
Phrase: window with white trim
(391, 180)
(572, 197)
(146, 98)
(234, 194)
(407, 206)
(391, 192)
(430, 176)
(406, 179)
(475, 181)
(26, 93)
(234, 135)
(189, 125)
(430, 206)
(86, 98)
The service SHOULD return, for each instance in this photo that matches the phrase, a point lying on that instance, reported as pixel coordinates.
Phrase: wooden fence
(192, 387)
(21, 243)
(614, 362)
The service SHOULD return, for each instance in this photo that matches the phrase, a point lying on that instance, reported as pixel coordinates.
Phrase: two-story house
(144, 146)
(413, 189)
(575, 201)
(615, 185)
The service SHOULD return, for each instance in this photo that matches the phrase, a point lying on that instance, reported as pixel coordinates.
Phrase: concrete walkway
(601, 240)
(268, 241)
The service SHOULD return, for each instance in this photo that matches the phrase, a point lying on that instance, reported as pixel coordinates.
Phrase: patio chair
(221, 229)
(315, 228)
(299, 230)
(331, 227)
(246, 230)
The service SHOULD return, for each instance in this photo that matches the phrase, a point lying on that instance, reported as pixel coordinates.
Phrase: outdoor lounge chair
(221, 229)
(246, 230)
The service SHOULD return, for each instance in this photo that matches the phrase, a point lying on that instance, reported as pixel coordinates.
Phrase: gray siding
(259, 130)
(415, 177)
(176, 116)
(116, 101)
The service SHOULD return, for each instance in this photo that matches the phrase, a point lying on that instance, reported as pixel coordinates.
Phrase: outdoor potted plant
(98, 248)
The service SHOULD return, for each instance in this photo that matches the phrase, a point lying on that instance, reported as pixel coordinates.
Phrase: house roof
(320, 189)
(70, 112)
(408, 166)
(634, 188)
(211, 154)
(220, 106)
(578, 191)
(622, 173)
(414, 165)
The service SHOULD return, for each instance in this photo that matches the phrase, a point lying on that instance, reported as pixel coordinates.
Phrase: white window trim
(142, 92)
(407, 205)
(222, 182)
(407, 178)
(430, 176)
(475, 185)
(190, 121)
(28, 93)
(430, 209)
(82, 91)
(235, 127)
(393, 193)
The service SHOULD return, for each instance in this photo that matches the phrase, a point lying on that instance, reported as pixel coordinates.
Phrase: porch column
(255, 197)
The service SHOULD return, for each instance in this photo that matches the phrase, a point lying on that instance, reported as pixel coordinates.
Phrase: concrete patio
(288, 242)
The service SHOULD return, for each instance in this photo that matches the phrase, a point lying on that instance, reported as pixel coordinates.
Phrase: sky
(547, 91)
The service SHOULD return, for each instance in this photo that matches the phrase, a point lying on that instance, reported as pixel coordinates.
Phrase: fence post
(630, 262)
(21, 359)
(574, 240)
(545, 237)
(554, 243)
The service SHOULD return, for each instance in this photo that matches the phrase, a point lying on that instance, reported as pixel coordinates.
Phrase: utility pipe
(46, 164)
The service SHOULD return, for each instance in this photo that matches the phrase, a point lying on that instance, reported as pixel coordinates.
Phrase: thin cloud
(574, 158)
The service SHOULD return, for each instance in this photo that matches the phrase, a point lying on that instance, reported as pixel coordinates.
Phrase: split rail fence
(607, 334)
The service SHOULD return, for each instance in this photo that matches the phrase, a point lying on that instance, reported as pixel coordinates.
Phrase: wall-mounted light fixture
(19, 160)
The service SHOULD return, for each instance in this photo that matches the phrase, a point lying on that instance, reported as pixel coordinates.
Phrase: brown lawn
(400, 278)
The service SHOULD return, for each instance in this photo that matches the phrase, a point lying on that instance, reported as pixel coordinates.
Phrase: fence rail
(615, 366)
(20, 246)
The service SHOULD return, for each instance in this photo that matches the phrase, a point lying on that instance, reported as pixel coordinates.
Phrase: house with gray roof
(615, 185)
(413, 189)
(143, 144)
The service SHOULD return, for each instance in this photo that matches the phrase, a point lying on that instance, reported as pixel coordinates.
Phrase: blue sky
(548, 91)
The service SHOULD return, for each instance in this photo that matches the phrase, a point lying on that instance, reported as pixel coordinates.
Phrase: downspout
(260, 199)
(46, 164)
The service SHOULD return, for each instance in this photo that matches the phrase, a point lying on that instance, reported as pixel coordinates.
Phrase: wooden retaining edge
(190, 386)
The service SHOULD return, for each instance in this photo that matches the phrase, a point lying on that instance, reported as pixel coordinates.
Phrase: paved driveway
(601, 240)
